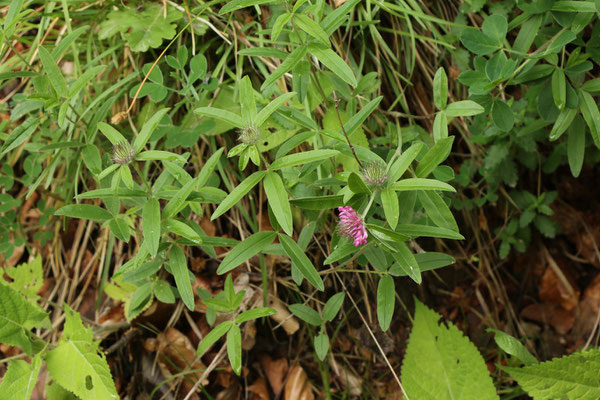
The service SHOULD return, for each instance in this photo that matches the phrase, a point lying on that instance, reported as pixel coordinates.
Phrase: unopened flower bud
(122, 153)
(250, 135)
(374, 173)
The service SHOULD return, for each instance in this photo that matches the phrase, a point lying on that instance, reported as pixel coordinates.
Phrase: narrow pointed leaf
(301, 261)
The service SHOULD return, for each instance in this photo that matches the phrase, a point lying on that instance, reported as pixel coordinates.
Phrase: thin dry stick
(337, 110)
(387, 361)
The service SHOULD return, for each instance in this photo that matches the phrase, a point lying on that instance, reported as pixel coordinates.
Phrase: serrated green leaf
(77, 365)
(20, 379)
(180, 271)
(386, 300)
(306, 314)
(575, 376)
(442, 364)
(278, 200)
(301, 261)
(245, 249)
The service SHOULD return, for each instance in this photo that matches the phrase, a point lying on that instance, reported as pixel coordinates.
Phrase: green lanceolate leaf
(333, 305)
(512, 346)
(177, 202)
(334, 62)
(239, 4)
(356, 184)
(360, 117)
(270, 108)
(290, 62)
(321, 346)
(180, 271)
(386, 300)
(182, 229)
(464, 108)
(421, 184)
(414, 231)
(278, 200)
(213, 336)
(440, 126)
(113, 135)
(589, 110)
(576, 146)
(221, 115)
(438, 153)
(563, 121)
(245, 249)
(407, 262)
(391, 207)
(255, 313)
(302, 158)
(311, 27)
(301, 261)
(306, 314)
(559, 88)
(400, 166)
(151, 225)
(440, 89)
(234, 348)
(237, 193)
(247, 102)
(57, 80)
(147, 130)
(440, 359)
(84, 211)
(437, 209)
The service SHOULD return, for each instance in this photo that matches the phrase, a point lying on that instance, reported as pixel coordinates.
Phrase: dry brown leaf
(552, 314)
(282, 316)
(297, 386)
(259, 388)
(589, 307)
(553, 290)
(176, 354)
(348, 379)
(276, 370)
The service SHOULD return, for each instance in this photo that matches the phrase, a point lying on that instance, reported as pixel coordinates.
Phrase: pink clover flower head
(351, 226)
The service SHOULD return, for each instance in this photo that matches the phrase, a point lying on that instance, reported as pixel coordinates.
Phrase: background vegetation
(260, 199)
